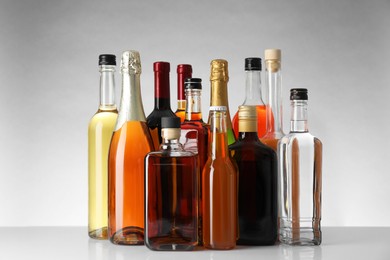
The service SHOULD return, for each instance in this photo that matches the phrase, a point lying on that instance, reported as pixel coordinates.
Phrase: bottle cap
(253, 63)
(170, 122)
(247, 119)
(131, 62)
(107, 59)
(298, 94)
(219, 70)
(193, 83)
(161, 66)
(273, 54)
(184, 68)
(218, 108)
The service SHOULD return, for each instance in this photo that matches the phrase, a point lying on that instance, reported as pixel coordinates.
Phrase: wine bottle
(184, 71)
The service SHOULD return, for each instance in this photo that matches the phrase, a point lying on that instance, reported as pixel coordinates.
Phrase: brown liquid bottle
(219, 187)
(184, 71)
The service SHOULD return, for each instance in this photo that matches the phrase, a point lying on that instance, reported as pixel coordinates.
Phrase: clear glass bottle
(184, 71)
(219, 187)
(253, 96)
(273, 82)
(100, 132)
(300, 178)
(257, 190)
(219, 78)
(172, 182)
(129, 145)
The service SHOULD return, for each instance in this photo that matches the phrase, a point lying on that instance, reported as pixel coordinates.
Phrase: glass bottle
(253, 96)
(171, 193)
(300, 178)
(274, 92)
(162, 101)
(219, 187)
(219, 78)
(194, 123)
(100, 132)
(129, 145)
(184, 71)
(257, 190)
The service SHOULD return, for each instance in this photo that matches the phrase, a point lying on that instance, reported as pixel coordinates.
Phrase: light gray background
(49, 89)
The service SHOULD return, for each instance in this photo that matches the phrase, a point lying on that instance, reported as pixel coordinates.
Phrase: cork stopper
(273, 54)
(131, 62)
(219, 70)
(247, 119)
(170, 128)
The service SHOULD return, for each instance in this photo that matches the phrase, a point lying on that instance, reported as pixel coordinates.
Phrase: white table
(73, 243)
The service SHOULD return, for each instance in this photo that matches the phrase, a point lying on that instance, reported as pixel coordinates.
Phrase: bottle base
(300, 237)
(100, 234)
(170, 244)
(128, 236)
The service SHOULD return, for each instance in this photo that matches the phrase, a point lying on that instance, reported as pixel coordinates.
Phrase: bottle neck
(219, 97)
(253, 88)
(298, 121)
(274, 89)
(181, 76)
(162, 96)
(219, 140)
(107, 87)
(193, 105)
(247, 129)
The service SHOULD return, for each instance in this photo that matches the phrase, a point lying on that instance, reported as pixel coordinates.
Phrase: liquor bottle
(130, 143)
(219, 78)
(171, 193)
(162, 101)
(184, 71)
(274, 92)
(100, 132)
(194, 122)
(300, 178)
(253, 96)
(257, 190)
(219, 187)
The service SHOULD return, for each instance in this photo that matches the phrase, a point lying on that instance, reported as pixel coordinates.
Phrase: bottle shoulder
(253, 147)
(154, 117)
(103, 118)
(300, 138)
(171, 154)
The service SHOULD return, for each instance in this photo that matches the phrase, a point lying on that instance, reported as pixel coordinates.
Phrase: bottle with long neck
(253, 96)
(274, 107)
(184, 71)
(219, 78)
(300, 178)
(257, 191)
(219, 187)
(100, 132)
(162, 101)
(130, 143)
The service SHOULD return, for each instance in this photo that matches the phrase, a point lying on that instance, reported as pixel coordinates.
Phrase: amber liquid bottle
(219, 187)
(257, 196)
(194, 123)
(129, 145)
(172, 182)
(219, 78)
(253, 96)
(184, 71)
(162, 101)
(273, 84)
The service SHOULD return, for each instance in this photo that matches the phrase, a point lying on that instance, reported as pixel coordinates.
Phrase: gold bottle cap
(219, 70)
(247, 119)
(131, 62)
(273, 54)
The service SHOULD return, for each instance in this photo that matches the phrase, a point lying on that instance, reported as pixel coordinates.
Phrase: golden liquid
(100, 132)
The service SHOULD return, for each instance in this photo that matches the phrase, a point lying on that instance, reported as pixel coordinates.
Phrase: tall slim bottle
(257, 190)
(219, 78)
(219, 187)
(184, 71)
(100, 132)
(129, 145)
(162, 101)
(300, 178)
(253, 96)
(273, 82)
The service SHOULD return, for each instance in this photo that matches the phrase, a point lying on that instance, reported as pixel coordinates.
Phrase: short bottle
(253, 96)
(219, 187)
(162, 101)
(184, 71)
(100, 132)
(257, 190)
(171, 193)
(300, 178)
(130, 143)
(273, 86)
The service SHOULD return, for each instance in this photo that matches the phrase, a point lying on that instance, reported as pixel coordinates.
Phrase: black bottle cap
(170, 122)
(193, 83)
(298, 94)
(253, 63)
(107, 59)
